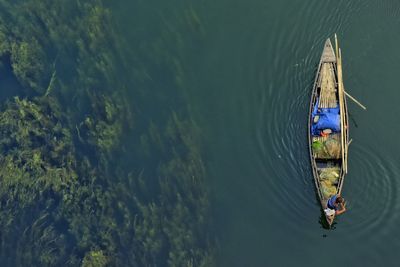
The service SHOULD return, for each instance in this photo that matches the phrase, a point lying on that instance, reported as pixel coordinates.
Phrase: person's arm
(342, 210)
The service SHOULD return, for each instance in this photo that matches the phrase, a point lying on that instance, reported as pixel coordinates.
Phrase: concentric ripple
(283, 108)
(257, 78)
(373, 190)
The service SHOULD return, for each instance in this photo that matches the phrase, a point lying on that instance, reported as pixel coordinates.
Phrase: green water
(173, 133)
(247, 82)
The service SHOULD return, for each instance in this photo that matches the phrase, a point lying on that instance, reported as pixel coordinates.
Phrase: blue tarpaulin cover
(329, 118)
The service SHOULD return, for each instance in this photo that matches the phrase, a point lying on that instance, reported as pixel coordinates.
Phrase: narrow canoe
(328, 144)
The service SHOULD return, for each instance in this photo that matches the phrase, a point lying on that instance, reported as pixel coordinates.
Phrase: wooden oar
(355, 100)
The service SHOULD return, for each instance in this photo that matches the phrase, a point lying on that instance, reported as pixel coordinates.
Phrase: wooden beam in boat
(342, 109)
(336, 48)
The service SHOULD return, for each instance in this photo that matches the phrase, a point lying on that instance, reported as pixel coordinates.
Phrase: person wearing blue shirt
(336, 203)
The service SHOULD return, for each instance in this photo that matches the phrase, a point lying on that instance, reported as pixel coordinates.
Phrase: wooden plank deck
(328, 55)
(327, 84)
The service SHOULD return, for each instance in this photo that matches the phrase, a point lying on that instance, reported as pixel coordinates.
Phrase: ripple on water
(391, 8)
(278, 92)
(283, 107)
(373, 197)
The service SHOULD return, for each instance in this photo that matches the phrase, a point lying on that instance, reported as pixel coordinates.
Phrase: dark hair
(339, 200)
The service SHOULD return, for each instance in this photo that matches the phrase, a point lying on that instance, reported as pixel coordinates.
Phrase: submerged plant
(83, 180)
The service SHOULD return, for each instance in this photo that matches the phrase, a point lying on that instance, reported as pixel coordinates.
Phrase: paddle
(355, 100)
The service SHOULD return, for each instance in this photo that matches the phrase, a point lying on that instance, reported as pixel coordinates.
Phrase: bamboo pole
(341, 180)
(344, 117)
(355, 100)
(341, 106)
(336, 48)
(348, 144)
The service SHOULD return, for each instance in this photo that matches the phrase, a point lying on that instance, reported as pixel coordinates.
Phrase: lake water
(247, 69)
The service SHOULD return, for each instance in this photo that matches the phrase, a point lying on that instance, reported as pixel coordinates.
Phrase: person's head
(339, 200)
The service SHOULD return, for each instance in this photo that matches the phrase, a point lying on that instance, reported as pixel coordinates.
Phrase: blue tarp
(329, 118)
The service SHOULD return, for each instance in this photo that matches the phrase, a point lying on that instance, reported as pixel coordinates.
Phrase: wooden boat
(328, 131)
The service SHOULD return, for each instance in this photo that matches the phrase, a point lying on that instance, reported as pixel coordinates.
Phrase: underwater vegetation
(85, 178)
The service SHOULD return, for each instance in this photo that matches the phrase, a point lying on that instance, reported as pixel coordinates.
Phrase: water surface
(248, 79)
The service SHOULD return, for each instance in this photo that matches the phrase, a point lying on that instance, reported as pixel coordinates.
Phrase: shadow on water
(353, 120)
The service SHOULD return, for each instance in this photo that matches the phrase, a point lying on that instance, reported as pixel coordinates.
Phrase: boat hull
(323, 97)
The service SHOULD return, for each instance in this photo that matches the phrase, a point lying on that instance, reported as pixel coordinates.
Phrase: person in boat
(336, 203)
